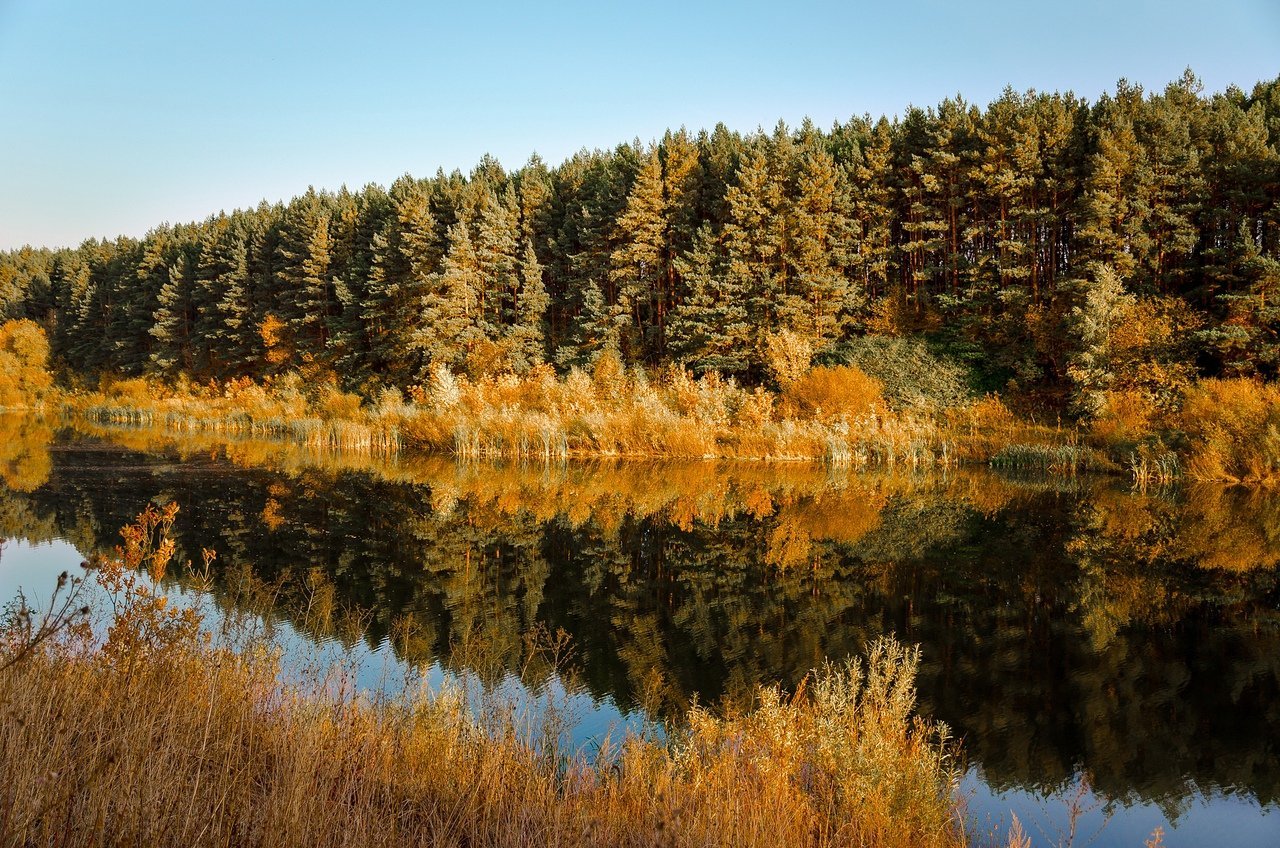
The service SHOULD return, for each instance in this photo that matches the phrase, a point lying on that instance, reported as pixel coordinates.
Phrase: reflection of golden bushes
(25, 462)
(271, 516)
(1228, 529)
(1215, 527)
(823, 503)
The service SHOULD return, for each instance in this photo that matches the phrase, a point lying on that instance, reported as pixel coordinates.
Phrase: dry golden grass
(832, 415)
(1234, 430)
(316, 415)
(155, 735)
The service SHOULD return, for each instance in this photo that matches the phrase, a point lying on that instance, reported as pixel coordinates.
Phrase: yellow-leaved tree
(24, 364)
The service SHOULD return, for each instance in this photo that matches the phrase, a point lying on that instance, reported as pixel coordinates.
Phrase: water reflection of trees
(1062, 624)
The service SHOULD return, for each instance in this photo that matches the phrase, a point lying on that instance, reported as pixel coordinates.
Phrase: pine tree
(358, 220)
(1176, 187)
(820, 239)
(405, 262)
(922, 222)
(453, 324)
(872, 198)
(497, 238)
(526, 336)
(220, 300)
(1248, 341)
(174, 320)
(753, 238)
(710, 330)
(74, 291)
(315, 297)
(1114, 210)
(304, 296)
(596, 330)
(1104, 305)
(636, 264)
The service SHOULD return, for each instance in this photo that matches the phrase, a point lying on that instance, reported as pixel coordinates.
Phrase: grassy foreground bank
(153, 733)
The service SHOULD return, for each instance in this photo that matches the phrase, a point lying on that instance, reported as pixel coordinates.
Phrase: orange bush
(842, 391)
(1127, 416)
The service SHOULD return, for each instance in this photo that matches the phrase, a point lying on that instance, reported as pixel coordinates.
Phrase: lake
(1110, 658)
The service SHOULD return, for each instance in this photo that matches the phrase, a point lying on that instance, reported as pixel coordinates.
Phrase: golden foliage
(1234, 430)
(25, 462)
(787, 356)
(272, 333)
(1126, 417)
(24, 364)
(829, 393)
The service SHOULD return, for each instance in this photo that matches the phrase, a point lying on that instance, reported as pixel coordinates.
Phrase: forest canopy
(1055, 250)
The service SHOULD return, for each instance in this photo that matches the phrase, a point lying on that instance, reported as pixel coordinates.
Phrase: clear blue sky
(119, 115)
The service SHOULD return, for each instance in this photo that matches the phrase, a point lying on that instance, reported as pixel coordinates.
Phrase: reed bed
(831, 415)
(1065, 459)
(157, 734)
(371, 437)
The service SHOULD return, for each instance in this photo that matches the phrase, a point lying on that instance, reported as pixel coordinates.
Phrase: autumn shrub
(833, 392)
(334, 403)
(987, 414)
(1232, 428)
(912, 377)
(24, 364)
(788, 356)
(133, 390)
(609, 375)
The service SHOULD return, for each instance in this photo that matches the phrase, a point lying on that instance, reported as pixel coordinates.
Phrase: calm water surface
(1111, 659)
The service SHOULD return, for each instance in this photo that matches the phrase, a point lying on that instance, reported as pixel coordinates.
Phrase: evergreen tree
(220, 295)
(526, 336)
(596, 330)
(453, 321)
(304, 295)
(498, 259)
(405, 260)
(710, 330)
(820, 240)
(872, 209)
(174, 320)
(1115, 191)
(1248, 341)
(637, 269)
(753, 238)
